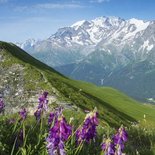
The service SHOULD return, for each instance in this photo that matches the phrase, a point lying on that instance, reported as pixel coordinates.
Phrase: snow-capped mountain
(110, 34)
(99, 49)
(28, 44)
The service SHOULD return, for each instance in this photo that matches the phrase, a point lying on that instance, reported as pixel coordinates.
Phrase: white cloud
(58, 6)
(99, 1)
(49, 6)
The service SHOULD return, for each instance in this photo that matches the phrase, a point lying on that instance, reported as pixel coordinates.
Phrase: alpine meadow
(77, 77)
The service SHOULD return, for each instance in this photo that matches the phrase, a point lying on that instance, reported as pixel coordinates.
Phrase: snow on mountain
(27, 43)
(106, 51)
(113, 34)
(140, 25)
(147, 46)
(78, 24)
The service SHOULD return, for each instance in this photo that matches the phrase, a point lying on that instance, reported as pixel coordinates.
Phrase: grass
(114, 107)
(120, 101)
(140, 141)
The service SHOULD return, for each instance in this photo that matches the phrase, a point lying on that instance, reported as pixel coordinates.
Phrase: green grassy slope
(120, 102)
(114, 107)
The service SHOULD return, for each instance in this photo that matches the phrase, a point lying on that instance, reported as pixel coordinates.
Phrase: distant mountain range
(23, 78)
(106, 51)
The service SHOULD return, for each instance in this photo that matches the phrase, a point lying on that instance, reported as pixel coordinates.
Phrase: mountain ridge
(85, 34)
(74, 95)
(101, 47)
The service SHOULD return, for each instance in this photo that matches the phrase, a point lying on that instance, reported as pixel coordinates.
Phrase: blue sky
(24, 19)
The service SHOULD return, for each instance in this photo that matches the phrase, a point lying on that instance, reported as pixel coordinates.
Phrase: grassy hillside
(123, 104)
(114, 107)
(23, 78)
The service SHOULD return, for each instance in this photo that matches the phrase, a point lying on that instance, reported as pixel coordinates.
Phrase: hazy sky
(24, 19)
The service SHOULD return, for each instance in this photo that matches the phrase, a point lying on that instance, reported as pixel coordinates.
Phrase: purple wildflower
(88, 130)
(54, 115)
(43, 101)
(2, 105)
(108, 147)
(51, 118)
(42, 106)
(58, 134)
(58, 112)
(23, 114)
(119, 149)
(116, 145)
(121, 136)
(37, 114)
(119, 139)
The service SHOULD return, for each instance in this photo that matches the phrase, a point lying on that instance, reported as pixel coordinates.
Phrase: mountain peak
(27, 44)
(103, 18)
(137, 21)
(79, 23)
(110, 33)
(99, 21)
(109, 20)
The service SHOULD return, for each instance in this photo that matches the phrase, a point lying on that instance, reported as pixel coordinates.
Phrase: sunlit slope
(113, 106)
(119, 101)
